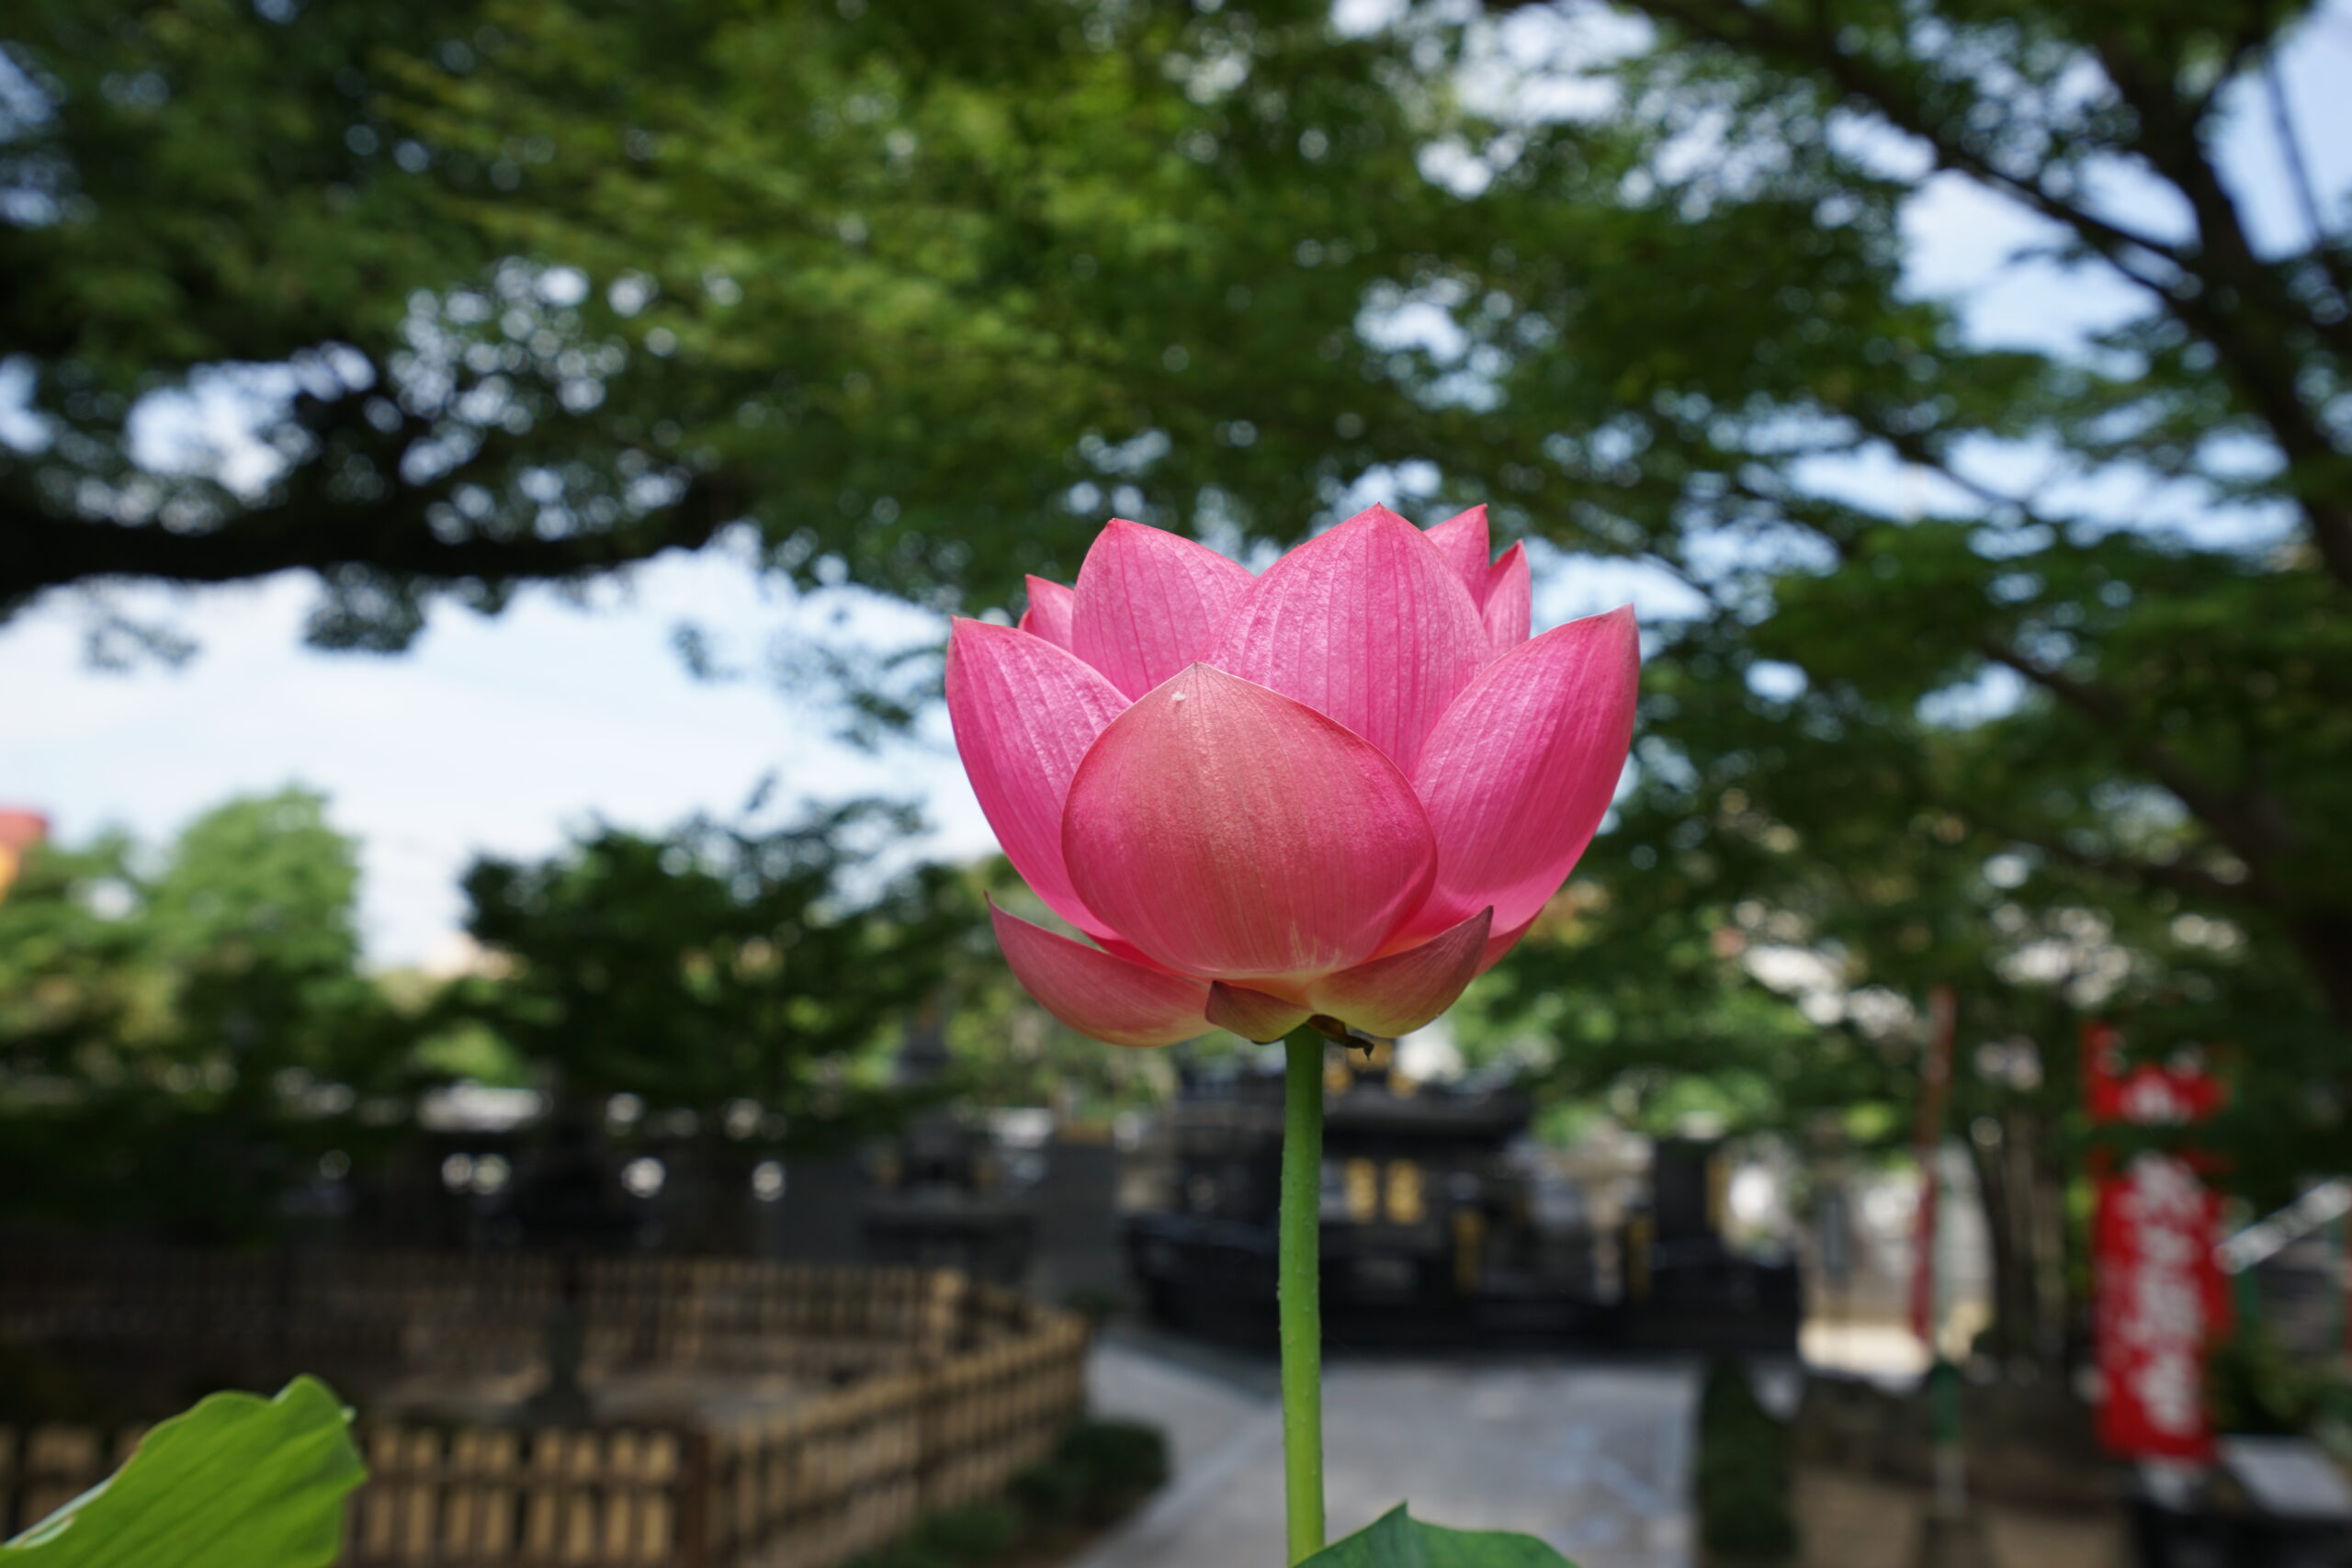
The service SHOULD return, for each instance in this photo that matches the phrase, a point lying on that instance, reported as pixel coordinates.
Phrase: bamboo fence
(927, 1392)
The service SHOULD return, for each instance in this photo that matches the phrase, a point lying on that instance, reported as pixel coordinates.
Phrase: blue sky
(501, 735)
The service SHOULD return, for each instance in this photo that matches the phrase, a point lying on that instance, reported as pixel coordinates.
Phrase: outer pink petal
(1502, 942)
(1366, 625)
(1520, 771)
(1253, 1015)
(1463, 541)
(1148, 603)
(1395, 994)
(1050, 606)
(1098, 993)
(1025, 713)
(1509, 602)
(1232, 833)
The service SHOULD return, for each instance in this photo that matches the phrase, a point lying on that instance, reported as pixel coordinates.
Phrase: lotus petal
(1502, 942)
(1462, 539)
(1395, 994)
(1233, 833)
(1366, 625)
(1050, 607)
(1098, 993)
(1148, 603)
(1508, 603)
(1519, 771)
(1024, 712)
(1253, 1015)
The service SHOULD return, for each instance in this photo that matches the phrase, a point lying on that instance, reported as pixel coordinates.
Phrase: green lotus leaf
(1395, 1539)
(236, 1482)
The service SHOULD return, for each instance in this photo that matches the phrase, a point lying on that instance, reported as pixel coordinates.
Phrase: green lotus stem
(1299, 1290)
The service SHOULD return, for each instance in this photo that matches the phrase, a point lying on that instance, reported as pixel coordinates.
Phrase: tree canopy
(922, 292)
(185, 1032)
(714, 965)
(2013, 662)
(1984, 638)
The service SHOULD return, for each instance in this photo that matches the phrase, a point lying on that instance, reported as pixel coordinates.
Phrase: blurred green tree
(716, 969)
(2016, 661)
(516, 291)
(184, 1033)
(2009, 656)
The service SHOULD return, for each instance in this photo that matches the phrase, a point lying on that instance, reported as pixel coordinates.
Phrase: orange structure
(19, 831)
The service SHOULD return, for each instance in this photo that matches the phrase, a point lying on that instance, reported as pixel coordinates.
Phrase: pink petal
(1461, 540)
(1253, 1015)
(1233, 833)
(1126, 950)
(1366, 625)
(1520, 771)
(1509, 602)
(1148, 603)
(1024, 712)
(1050, 605)
(1397, 993)
(1502, 942)
(1098, 993)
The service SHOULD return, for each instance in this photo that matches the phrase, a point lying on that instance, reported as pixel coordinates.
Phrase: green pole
(1943, 1413)
(2344, 1287)
(1299, 1290)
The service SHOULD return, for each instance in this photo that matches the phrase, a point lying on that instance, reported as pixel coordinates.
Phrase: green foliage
(1741, 1480)
(1938, 706)
(238, 1482)
(909, 1554)
(1051, 1493)
(1099, 1470)
(186, 1032)
(921, 292)
(2255, 1387)
(1398, 1540)
(970, 1537)
(714, 963)
(1118, 1463)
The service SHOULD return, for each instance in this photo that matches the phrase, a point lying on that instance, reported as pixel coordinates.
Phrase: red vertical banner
(1935, 1085)
(2149, 1095)
(2159, 1302)
(2159, 1297)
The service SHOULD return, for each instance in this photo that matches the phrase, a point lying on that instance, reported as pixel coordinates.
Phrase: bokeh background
(483, 486)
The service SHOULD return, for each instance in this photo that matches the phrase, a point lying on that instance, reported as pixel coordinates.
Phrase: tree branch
(2230, 279)
(2298, 175)
(1740, 27)
(391, 534)
(2239, 285)
(2253, 832)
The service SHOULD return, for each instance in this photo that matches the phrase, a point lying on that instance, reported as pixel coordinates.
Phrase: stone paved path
(1592, 1456)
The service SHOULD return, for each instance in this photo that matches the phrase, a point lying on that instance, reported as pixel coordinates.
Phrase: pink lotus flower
(1343, 788)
